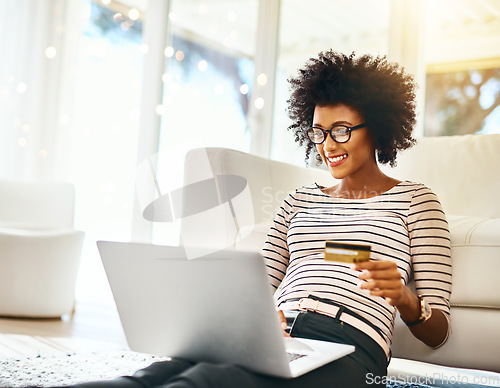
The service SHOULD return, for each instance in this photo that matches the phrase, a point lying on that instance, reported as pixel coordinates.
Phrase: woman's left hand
(382, 278)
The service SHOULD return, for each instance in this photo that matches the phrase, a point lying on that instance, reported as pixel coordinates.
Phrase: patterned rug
(58, 361)
(50, 371)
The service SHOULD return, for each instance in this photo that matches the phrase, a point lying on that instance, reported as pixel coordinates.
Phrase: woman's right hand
(283, 323)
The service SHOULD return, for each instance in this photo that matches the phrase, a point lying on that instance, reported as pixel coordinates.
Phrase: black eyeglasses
(339, 133)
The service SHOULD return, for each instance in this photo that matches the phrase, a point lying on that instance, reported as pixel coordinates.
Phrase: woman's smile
(336, 160)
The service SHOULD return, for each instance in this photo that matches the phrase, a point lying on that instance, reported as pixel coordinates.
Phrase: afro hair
(379, 90)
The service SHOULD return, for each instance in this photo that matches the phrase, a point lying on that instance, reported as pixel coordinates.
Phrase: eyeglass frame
(329, 131)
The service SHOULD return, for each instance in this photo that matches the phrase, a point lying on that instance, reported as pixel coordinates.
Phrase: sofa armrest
(475, 252)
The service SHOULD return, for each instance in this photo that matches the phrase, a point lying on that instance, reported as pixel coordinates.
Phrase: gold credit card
(347, 253)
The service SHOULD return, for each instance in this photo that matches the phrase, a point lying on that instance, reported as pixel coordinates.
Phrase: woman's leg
(181, 374)
(207, 375)
(366, 365)
(341, 373)
(152, 376)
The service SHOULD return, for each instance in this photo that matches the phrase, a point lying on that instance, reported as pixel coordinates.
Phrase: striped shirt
(406, 224)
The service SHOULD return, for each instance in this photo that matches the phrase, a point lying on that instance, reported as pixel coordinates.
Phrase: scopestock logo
(436, 379)
(213, 209)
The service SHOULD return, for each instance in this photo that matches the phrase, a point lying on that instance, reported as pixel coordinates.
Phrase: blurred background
(89, 89)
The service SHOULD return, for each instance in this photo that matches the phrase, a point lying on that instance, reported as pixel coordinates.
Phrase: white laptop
(216, 308)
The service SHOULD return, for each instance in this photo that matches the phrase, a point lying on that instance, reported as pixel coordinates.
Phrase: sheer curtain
(63, 116)
(38, 41)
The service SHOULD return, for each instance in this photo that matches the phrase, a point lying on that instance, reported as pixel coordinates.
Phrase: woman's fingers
(381, 278)
(283, 323)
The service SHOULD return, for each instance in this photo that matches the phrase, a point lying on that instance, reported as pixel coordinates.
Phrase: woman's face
(350, 158)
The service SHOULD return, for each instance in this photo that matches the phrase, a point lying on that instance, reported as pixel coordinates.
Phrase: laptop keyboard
(294, 356)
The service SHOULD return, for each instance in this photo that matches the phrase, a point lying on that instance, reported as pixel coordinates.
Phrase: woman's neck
(370, 185)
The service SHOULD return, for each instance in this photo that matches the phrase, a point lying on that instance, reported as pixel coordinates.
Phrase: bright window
(102, 157)
(306, 28)
(207, 84)
(463, 101)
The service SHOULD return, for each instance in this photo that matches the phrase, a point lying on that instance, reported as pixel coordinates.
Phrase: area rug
(51, 371)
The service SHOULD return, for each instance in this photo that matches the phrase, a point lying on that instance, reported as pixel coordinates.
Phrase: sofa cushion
(461, 170)
(475, 252)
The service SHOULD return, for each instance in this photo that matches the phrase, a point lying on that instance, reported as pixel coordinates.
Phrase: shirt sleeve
(275, 251)
(430, 250)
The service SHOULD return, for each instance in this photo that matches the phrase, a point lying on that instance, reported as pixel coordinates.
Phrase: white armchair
(39, 249)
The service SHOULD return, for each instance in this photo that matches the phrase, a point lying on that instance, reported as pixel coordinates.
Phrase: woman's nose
(329, 143)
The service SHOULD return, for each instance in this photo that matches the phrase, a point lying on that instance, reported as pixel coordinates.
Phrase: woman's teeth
(337, 158)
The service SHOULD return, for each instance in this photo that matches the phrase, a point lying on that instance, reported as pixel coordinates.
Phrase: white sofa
(464, 171)
(39, 249)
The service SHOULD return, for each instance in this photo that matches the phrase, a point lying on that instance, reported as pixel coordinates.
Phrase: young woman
(353, 113)
(350, 112)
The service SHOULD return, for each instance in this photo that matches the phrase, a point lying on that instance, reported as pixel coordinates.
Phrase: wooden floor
(92, 325)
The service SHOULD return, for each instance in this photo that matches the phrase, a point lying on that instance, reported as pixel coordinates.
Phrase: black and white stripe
(405, 224)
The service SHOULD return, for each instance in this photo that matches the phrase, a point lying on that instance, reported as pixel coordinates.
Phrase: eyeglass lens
(340, 134)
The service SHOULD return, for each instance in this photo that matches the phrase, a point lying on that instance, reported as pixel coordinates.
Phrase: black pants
(358, 369)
